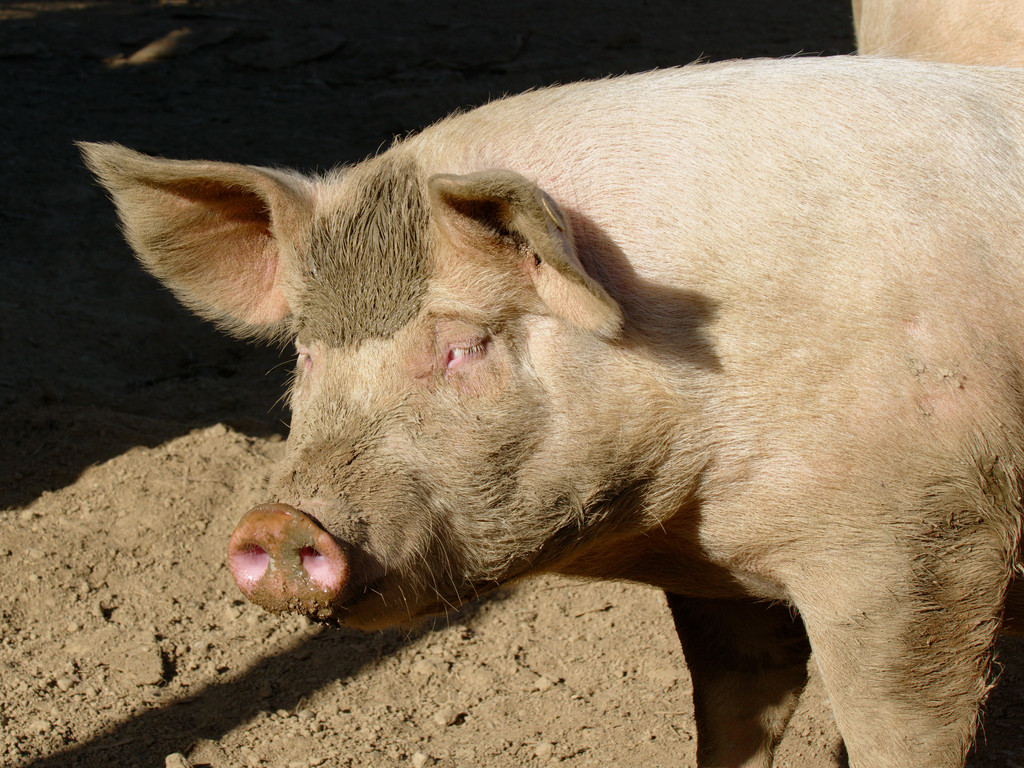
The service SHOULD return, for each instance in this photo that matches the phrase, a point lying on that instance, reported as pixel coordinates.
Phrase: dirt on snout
(132, 437)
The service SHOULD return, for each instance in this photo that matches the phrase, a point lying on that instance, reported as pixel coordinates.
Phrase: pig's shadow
(281, 682)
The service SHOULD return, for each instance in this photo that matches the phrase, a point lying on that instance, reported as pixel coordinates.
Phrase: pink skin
(283, 560)
(456, 355)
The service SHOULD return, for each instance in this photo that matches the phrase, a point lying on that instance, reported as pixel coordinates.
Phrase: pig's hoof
(283, 560)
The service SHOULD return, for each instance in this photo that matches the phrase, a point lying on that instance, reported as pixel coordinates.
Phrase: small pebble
(543, 750)
(419, 760)
(65, 683)
(177, 760)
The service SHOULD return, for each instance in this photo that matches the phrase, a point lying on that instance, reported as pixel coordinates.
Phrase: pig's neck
(653, 521)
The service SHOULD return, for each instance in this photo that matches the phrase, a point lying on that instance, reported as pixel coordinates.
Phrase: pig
(989, 32)
(751, 333)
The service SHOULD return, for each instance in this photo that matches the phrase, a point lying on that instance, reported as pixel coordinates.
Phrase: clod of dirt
(143, 664)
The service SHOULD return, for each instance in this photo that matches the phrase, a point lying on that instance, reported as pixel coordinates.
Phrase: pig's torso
(850, 307)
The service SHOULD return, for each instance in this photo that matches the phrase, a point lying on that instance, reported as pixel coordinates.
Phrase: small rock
(543, 750)
(39, 726)
(446, 716)
(65, 683)
(177, 760)
(419, 760)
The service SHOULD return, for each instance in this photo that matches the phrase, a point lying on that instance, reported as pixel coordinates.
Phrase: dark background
(94, 356)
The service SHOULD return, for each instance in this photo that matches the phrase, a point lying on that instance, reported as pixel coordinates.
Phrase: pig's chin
(371, 611)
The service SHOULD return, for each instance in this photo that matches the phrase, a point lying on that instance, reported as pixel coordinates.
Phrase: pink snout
(283, 560)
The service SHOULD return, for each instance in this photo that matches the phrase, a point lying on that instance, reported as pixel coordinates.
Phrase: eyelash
(457, 354)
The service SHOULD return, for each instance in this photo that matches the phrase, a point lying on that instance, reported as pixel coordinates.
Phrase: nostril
(249, 563)
(322, 571)
(284, 560)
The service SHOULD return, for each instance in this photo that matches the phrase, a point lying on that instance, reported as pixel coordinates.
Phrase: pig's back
(854, 228)
(722, 164)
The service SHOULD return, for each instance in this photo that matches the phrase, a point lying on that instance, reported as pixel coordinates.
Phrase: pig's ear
(501, 207)
(217, 234)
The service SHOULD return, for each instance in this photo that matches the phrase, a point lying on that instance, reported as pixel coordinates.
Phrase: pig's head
(450, 349)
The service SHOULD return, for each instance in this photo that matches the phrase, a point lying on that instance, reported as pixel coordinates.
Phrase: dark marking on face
(367, 262)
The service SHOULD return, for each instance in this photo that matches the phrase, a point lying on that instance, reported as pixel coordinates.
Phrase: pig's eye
(459, 356)
(305, 360)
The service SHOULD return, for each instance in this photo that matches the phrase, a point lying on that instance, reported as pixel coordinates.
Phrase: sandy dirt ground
(132, 436)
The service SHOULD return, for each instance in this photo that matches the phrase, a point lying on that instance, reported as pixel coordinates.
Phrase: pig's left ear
(502, 206)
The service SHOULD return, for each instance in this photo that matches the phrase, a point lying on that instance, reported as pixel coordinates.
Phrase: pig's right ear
(217, 234)
(495, 208)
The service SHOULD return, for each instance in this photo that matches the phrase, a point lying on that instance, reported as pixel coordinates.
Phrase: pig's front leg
(907, 666)
(748, 663)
